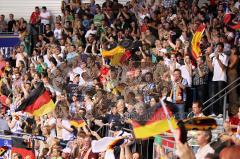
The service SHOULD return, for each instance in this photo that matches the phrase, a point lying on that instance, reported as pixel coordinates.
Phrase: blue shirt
(71, 56)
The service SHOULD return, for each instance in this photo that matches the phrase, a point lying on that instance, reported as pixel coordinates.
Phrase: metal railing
(226, 91)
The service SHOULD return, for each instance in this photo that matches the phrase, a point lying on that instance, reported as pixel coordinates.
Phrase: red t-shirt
(34, 17)
(144, 28)
(234, 121)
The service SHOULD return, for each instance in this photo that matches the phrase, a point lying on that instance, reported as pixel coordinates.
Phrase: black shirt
(10, 25)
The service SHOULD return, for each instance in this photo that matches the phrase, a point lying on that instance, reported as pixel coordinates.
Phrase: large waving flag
(154, 121)
(38, 103)
(196, 51)
(112, 52)
(116, 55)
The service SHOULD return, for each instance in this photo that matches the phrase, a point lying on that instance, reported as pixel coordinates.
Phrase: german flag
(38, 103)
(153, 122)
(196, 51)
(77, 123)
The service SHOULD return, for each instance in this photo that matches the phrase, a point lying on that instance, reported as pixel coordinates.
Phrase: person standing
(149, 87)
(11, 23)
(3, 122)
(232, 75)
(58, 31)
(35, 18)
(178, 93)
(45, 17)
(200, 79)
(218, 63)
(3, 23)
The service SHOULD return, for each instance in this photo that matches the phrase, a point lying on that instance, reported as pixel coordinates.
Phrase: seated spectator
(203, 140)
(197, 109)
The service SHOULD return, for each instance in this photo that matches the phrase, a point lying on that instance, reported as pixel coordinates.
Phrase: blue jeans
(179, 111)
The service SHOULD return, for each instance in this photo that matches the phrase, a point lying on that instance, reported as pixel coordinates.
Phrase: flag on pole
(196, 51)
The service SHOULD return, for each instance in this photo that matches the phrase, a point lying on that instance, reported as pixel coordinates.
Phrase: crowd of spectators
(65, 54)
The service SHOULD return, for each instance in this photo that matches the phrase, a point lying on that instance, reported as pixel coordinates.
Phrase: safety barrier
(151, 150)
(147, 148)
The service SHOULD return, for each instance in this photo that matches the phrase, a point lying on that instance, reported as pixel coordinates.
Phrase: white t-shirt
(45, 15)
(74, 72)
(66, 135)
(90, 32)
(50, 122)
(202, 152)
(218, 73)
(237, 5)
(167, 61)
(46, 60)
(58, 33)
(186, 74)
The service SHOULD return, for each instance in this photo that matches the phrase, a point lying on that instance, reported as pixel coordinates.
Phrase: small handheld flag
(78, 123)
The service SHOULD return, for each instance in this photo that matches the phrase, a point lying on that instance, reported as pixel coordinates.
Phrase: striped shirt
(197, 80)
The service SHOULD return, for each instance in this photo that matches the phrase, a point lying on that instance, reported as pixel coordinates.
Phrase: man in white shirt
(203, 140)
(45, 16)
(217, 63)
(187, 69)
